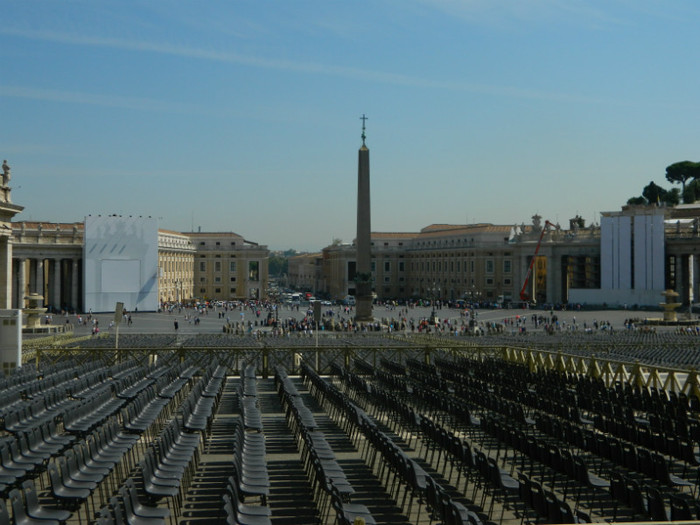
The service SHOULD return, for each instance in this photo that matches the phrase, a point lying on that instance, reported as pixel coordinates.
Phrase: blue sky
(244, 115)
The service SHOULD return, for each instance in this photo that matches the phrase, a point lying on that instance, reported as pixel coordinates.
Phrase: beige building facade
(305, 272)
(228, 267)
(176, 254)
(47, 258)
(475, 262)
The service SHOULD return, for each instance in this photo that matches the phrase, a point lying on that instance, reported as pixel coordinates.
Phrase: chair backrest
(4, 515)
(19, 511)
(54, 476)
(125, 496)
(657, 505)
(635, 497)
(538, 499)
(116, 506)
(30, 494)
(646, 464)
(618, 488)
(680, 509)
(553, 507)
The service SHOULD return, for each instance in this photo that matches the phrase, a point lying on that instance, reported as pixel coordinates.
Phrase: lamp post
(434, 292)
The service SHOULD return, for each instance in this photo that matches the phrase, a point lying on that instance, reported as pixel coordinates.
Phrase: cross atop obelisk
(363, 119)
(363, 242)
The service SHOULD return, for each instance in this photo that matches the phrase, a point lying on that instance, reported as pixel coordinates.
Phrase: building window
(202, 290)
(233, 279)
(387, 266)
(374, 266)
(202, 280)
(471, 266)
(217, 290)
(507, 266)
(201, 243)
(202, 266)
(232, 266)
(233, 290)
(218, 243)
(217, 266)
(489, 282)
(387, 279)
(489, 265)
(254, 271)
(217, 279)
(506, 281)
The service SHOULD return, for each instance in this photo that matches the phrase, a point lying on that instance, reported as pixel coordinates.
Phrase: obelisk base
(363, 302)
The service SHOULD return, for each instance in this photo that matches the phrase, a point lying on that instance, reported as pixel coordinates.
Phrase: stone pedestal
(34, 312)
(10, 339)
(670, 305)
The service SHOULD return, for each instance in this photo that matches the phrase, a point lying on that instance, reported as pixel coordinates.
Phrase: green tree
(652, 193)
(692, 191)
(278, 265)
(655, 194)
(672, 197)
(682, 172)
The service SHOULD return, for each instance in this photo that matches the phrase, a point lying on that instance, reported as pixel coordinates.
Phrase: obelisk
(363, 275)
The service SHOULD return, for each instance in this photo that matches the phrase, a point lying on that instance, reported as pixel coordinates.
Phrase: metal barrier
(266, 356)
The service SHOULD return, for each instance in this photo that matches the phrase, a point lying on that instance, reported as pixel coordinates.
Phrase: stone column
(21, 281)
(39, 284)
(691, 279)
(680, 276)
(56, 290)
(553, 292)
(696, 275)
(74, 285)
(15, 283)
(5, 273)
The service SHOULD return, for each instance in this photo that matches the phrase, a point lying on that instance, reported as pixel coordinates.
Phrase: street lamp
(434, 292)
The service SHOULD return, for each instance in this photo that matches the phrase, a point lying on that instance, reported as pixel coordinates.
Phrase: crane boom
(523, 294)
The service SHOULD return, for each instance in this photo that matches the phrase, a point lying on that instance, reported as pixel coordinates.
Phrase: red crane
(523, 294)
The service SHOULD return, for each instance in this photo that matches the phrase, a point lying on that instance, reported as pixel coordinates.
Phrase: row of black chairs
(331, 487)
(395, 469)
(249, 475)
(492, 481)
(656, 469)
(26, 509)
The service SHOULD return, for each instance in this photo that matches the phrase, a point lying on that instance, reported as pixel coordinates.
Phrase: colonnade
(58, 280)
(684, 278)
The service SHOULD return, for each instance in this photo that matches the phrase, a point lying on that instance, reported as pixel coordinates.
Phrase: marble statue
(5, 173)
